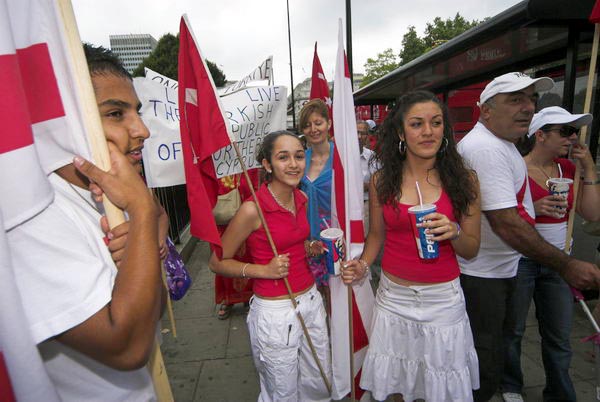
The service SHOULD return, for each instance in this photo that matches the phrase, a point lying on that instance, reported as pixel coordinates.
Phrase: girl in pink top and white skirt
(421, 346)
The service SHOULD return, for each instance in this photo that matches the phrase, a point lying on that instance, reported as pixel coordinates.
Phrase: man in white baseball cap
(553, 132)
(513, 82)
(507, 107)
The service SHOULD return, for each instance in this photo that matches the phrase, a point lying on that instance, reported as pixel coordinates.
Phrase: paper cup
(333, 240)
(427, 248)
(560, 187)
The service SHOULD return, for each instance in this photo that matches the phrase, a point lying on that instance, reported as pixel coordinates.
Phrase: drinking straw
(419, 194)
(325, 222)
(559, 170)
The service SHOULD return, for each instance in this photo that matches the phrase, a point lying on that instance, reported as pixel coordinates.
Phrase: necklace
(545, 174)
(543, 171)
(84, 199)
(292, 210)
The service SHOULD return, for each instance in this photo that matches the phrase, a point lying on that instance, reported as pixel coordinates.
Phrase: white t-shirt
(65, 274)
(367, 168)
(502, 174)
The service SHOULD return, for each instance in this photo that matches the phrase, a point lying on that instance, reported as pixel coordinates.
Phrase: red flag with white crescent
(203, 132)
(595, 14)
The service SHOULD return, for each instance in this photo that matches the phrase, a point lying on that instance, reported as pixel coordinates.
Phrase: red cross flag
(41, 131)
(347, 214)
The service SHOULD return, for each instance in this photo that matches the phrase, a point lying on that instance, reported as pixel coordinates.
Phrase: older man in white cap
(507, 106)
(552, 133)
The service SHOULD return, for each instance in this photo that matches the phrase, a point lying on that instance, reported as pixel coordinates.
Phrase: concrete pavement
(210, 360)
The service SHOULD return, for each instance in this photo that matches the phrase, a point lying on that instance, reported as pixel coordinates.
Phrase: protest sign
(163, 159)
(161, 79)
(252, 113)
(264, 72)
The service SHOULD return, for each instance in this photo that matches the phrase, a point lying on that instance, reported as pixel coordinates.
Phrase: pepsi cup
(560, 187)
(333, 240)
(428, 249)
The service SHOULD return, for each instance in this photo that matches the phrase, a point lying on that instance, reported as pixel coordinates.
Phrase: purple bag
(178, 278)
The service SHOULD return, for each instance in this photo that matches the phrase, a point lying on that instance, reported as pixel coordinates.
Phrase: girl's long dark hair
(456, 179)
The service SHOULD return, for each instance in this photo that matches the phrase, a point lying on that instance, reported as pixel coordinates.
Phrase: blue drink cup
(333, 240)
(428, 249)
(560, 187)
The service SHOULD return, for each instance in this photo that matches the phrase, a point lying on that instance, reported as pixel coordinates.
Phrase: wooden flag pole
(169, 303)
(163, 275)
(99, 148)
(351, 336)
(583, 136)
(285, 280)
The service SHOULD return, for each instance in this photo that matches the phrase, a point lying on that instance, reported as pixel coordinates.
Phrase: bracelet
(591, 182)
(244, 269)
(366, 267)
(457, 231)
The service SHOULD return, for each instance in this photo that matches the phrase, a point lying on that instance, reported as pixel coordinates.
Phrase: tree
(436, 32)
(441, 31)
(163, 60)
(412, 46)
(384, 63)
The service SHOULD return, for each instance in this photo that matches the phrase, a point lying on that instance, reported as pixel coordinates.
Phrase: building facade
(132, 49)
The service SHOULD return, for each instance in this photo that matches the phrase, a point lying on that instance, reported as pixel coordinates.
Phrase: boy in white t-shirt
(95, 325)
(507, 105)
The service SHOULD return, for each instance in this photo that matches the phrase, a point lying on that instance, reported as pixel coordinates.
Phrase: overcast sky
(239, 34)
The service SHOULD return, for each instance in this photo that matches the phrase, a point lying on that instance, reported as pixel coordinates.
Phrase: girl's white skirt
(421, 345)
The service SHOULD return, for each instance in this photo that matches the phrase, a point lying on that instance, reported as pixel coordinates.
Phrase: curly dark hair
(266, 149)
(103, 61)
(456, 179)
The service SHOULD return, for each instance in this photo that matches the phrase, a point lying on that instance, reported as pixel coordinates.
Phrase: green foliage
(163, 60)
(412, 46)
(384, 63)
(441, 31)
(437, 32)
(216, 73)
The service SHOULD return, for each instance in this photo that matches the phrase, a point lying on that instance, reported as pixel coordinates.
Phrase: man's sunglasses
(564, 131)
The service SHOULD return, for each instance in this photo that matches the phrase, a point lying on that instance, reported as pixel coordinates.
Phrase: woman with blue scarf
(316, 183)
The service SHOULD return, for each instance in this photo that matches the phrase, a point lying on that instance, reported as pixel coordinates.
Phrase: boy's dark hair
(103, 61)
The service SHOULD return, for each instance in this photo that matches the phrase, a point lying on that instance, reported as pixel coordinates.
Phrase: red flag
(347, 214)
(595, 15)
(203, 132)
(319, 89)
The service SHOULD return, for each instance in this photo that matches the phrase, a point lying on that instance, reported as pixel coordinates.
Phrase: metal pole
(291, 65)
(349, 40)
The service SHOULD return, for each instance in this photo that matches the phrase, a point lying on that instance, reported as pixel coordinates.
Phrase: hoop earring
(444, 146)
(402, 147)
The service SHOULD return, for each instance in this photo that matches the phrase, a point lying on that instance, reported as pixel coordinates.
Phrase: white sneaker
(512, 397)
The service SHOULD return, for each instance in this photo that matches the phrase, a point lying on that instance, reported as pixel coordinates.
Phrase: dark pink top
(400, 254)
(537, 191)
(288, 232)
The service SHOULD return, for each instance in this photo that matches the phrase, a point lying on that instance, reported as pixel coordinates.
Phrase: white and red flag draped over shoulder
(347, 214)
(41, 131)
(319, 89)
(203, 132)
